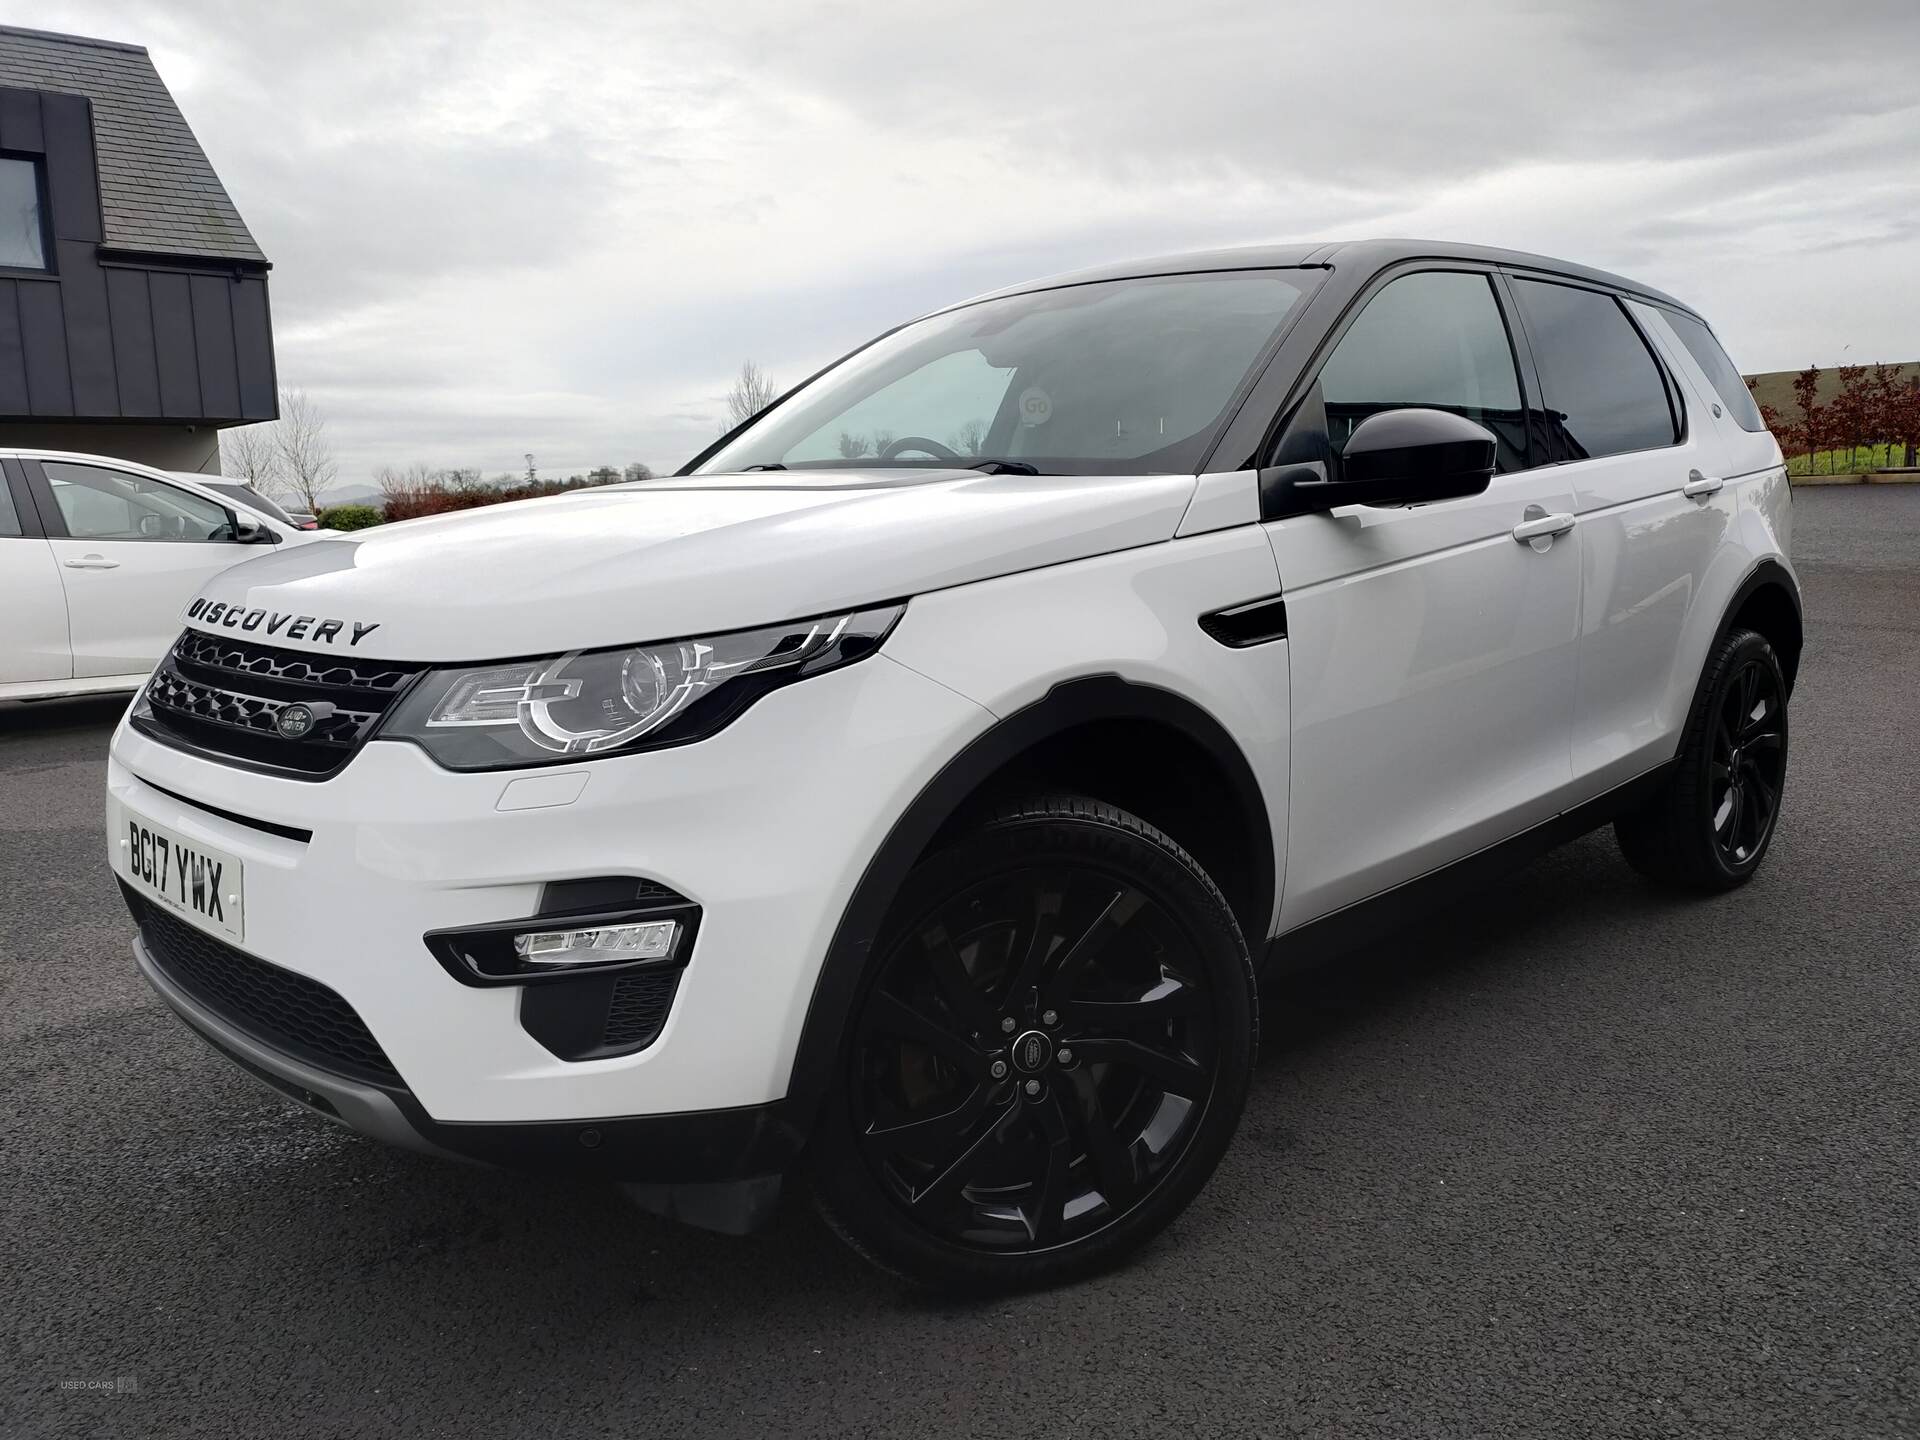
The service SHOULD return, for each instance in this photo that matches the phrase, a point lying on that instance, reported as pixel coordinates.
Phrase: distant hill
(1775, 388)
(352, 495)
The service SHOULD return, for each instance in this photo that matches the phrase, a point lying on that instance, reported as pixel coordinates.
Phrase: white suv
(905, 796)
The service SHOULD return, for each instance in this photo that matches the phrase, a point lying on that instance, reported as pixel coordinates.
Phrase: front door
(1432, 652)
(136, 550)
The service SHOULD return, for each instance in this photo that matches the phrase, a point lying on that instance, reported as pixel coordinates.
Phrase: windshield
(1123, 376)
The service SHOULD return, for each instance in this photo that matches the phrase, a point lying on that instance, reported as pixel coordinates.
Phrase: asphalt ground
(1586, 1160)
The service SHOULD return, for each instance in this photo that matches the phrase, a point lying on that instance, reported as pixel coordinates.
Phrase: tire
(1105, 1119)
(1710, 825)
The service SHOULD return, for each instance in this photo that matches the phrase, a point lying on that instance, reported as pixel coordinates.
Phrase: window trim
(1679, 420)
(54, 520)
(49, 254)
(1305, 389)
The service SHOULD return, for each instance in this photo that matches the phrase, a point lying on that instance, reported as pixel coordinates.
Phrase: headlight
(602, 702)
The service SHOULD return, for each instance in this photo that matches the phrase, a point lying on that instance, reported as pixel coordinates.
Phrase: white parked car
(96, 558)
(903, 798)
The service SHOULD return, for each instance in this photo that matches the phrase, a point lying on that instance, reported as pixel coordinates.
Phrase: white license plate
(203, 885)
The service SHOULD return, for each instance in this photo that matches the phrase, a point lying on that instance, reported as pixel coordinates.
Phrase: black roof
(1368, 254)
(158, 192)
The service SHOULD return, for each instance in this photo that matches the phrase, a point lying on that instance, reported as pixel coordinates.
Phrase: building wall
(165, 447)
(109, 335)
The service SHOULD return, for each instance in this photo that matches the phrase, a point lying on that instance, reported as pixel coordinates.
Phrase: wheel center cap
(1032, 1051)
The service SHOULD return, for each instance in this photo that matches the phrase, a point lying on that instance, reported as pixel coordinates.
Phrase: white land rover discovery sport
(904, 797)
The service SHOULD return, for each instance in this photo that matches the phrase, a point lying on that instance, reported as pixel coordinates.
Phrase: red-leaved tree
(1812, 429)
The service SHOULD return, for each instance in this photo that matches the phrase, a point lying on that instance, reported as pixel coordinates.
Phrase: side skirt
(1365, 921)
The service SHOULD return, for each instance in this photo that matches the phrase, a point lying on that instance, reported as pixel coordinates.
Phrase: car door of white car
(1647, 487)
(33, 608)
(1432, 647)
(134, 551)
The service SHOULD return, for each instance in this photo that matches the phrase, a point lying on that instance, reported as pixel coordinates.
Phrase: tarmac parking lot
(1586, 1160)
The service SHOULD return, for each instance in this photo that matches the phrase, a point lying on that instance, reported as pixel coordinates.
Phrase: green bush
(350, 517)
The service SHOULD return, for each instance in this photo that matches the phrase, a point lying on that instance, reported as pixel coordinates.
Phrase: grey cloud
(560, 227)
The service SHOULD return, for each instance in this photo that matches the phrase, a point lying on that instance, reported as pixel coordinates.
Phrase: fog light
(600, 944)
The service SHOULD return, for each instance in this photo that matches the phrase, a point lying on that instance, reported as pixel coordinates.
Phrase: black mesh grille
(222, 696)
(287, 1011)
(639, 1008)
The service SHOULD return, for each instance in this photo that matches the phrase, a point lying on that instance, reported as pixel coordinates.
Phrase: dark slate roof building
(133, 298)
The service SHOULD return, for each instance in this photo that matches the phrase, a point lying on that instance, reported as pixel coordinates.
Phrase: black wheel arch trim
(1766, 573)
(1069, 704)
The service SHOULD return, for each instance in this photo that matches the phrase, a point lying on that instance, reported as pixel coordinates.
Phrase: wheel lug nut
(1006, 1025)
(999, 1070)
(1066, 1055)
(1033, 1087)
(1052, 1017)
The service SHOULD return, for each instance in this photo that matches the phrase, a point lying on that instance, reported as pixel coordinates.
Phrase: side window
(1727, 384)
(1434, 339)
(9, 517)
(1605, 393)
(99, 504)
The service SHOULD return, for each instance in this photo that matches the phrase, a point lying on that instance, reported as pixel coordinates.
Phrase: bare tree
(881, 440)
(968, 439)
(251, 453)
(752, 392)
(852, 446)
(306, 458)
(638, 470)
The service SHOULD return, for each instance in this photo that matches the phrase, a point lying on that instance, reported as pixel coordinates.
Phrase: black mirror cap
(1406, 456)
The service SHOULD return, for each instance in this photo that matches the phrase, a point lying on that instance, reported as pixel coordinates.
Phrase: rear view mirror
(1406, 457)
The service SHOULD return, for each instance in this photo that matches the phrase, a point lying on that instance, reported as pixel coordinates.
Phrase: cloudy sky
(559, 227)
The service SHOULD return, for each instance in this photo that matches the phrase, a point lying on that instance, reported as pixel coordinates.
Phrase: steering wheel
(919, 442)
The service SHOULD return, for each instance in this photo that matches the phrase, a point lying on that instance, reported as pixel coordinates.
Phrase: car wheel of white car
(1711, 824)
(1050, 1056)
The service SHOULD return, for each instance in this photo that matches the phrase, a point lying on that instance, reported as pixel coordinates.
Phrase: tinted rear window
(1604, 391)
(1727, 384)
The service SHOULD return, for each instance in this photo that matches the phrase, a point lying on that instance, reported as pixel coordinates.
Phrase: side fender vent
(1254, 623)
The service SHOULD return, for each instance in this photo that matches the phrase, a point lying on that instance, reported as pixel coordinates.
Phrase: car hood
(661, 559)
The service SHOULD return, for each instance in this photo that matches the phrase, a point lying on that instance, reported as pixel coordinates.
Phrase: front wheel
(1048, 1059)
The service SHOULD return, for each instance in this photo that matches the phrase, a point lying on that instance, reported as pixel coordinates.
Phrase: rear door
(33, 607)
(1432, 654)
(131, 551)
(1645, 477)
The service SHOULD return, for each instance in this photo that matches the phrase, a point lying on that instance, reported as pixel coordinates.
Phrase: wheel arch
(1768, 601)
(1072, 716)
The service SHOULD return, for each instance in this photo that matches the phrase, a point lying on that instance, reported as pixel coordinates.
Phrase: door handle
(1541, 526)
(93, 562)
(1698, 486)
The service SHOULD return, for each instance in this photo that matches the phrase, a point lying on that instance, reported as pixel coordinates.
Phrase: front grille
(290, 1012)
(221, 696)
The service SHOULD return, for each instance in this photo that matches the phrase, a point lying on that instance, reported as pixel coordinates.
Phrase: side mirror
(251, 532)
(1407, 457)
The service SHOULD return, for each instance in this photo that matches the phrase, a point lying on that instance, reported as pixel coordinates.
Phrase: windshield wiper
(775, 466)
(1003, 467)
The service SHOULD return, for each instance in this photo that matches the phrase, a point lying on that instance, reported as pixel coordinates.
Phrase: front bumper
(702, 1147)
(767, 826)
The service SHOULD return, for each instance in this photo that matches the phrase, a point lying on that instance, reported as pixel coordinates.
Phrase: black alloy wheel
(1710, 824)
(1052, 1050)
(1749, 766)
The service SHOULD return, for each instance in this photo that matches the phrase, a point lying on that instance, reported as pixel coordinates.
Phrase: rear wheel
(1711, 824)
(1049, 1057)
